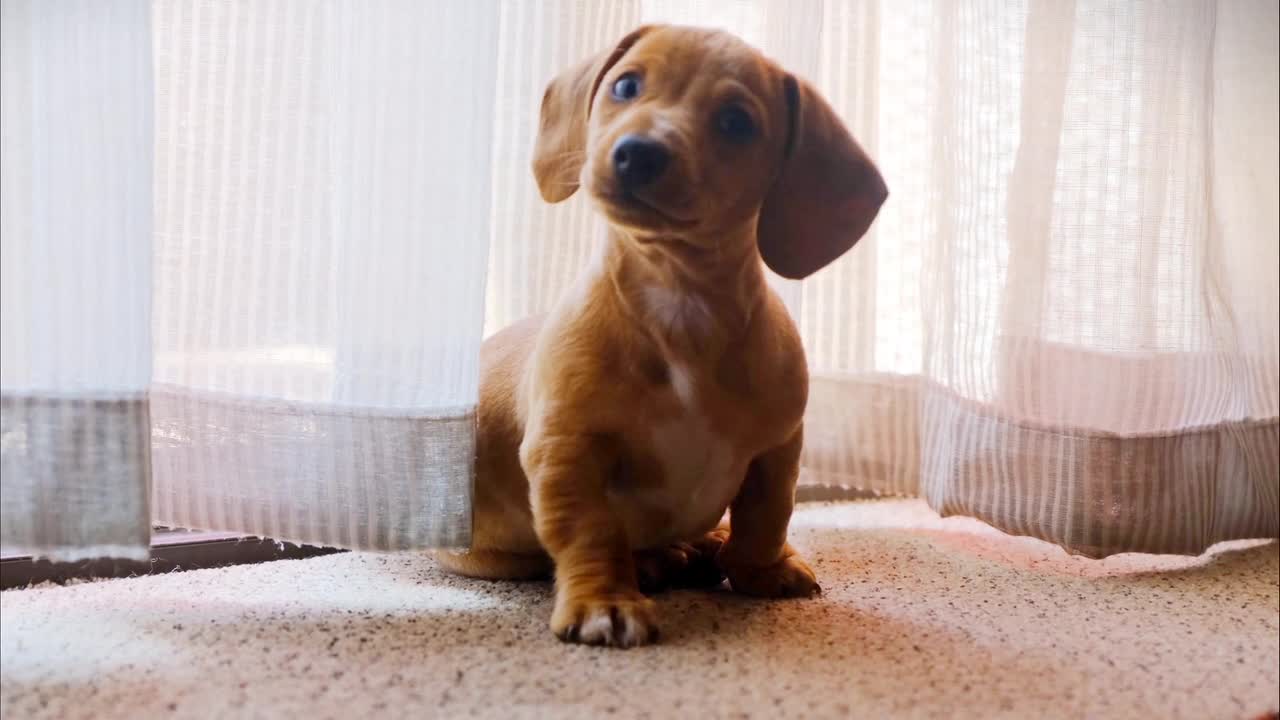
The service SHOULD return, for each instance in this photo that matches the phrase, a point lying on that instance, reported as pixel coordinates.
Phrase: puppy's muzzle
(639, 161)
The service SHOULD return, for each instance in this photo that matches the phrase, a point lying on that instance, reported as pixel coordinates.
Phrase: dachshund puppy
(669, 385)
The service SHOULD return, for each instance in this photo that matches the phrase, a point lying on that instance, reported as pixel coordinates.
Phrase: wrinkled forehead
(683, 57)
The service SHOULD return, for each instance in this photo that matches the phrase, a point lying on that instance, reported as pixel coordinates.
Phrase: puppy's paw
(625, 619)
(786, 578)
(709, 545)
(660, 568)
(681, 565)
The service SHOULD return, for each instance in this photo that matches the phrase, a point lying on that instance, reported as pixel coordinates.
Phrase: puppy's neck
(693, 294)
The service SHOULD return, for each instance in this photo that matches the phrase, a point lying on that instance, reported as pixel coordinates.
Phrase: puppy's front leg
(598, 600)
(757, 558)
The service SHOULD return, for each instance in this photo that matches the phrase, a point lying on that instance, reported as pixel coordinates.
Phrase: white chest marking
(699, 477)
(677, 312)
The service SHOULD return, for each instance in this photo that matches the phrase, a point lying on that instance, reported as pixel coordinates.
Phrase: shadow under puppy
(669, 385)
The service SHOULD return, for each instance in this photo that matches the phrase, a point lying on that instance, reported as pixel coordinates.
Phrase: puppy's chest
(684, 468)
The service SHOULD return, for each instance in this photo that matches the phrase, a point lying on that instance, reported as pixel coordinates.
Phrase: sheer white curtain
(275, 257)
(75, 297)
(296, 302)
(1064, 320)
(321, 233)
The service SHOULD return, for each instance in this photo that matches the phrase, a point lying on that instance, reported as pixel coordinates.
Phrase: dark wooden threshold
(171, 551)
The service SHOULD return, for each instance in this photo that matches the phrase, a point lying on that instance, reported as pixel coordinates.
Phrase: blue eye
(735, 123)
(626, 87)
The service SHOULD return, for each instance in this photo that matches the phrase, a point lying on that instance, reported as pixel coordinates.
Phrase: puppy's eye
(735, 123)
(626, 87)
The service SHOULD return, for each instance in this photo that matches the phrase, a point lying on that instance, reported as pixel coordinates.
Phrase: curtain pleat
(75, 302)
(322, 225)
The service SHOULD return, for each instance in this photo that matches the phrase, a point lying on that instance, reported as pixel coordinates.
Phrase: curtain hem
(321, 476)
(76, 476)
(1092, 493)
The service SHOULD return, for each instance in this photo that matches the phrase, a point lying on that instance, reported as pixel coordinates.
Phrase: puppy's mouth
(628, 208)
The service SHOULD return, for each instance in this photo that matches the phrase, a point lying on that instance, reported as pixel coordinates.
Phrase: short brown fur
(669, 385)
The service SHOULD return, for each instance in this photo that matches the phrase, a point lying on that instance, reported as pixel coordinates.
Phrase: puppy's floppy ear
(560, 150)
(825, 195)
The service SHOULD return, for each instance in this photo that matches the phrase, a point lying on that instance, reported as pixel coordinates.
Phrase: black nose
(638, 161)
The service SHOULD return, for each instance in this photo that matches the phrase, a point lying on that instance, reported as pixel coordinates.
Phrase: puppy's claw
(789, 577)
(626, 620)
(568, 634)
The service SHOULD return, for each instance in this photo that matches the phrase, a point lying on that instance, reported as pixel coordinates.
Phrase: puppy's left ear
(825, 195)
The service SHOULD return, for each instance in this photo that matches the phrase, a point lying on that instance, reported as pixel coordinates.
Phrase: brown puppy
(669, 384)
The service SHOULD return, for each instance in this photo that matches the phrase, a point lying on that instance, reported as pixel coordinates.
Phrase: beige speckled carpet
(920, 617)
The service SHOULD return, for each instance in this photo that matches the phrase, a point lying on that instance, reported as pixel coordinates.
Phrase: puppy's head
(683, 132)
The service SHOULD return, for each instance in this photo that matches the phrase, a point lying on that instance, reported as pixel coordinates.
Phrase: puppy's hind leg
(682, 565)
(495, 564)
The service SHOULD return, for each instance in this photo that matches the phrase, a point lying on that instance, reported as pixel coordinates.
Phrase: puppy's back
(503, 519)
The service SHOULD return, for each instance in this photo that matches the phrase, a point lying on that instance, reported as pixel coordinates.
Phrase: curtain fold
(278, 334)
(75, 303)
(322, 219)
